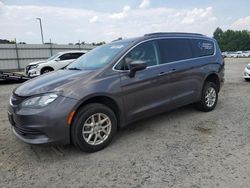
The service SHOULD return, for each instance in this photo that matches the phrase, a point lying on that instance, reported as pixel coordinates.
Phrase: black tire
(46, 70)
(247, 79)
(202, 105)
(78, 123)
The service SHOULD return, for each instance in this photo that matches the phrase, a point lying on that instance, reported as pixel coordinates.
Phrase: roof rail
(172, 33)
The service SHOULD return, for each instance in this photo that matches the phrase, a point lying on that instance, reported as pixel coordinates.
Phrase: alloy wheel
(210, 97)
(96, 129)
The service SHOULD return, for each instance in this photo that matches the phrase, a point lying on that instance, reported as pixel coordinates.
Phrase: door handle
(168, 72)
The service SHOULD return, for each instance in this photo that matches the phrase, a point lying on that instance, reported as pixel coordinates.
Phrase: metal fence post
(51, 50)
(79, 43)
(17, 56)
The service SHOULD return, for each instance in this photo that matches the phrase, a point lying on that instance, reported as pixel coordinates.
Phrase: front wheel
(93, 127)
(46, 70)
(209, 97)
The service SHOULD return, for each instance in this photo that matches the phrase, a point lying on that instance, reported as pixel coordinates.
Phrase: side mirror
(136, 66)
(57, 59)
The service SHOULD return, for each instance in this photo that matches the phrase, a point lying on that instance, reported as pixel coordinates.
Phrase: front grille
(25, 131)
(16, 100)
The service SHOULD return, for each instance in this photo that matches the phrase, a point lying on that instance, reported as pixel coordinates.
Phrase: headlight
(33, 66)
(39, 101)
(248, 67)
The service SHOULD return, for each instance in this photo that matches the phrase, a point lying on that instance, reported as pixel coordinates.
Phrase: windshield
(98, 57)
(53, 57)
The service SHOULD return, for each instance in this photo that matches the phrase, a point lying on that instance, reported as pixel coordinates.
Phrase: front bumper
(33, 72)
(246, 73)
(46, 125)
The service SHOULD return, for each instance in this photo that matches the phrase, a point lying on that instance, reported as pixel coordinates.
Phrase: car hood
(63, 82)
(36, 62)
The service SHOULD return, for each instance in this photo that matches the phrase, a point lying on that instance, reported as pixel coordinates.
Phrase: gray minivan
(116, 84)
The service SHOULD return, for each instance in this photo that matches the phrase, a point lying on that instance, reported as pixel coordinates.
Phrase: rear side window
(174, 50)
(202, 47)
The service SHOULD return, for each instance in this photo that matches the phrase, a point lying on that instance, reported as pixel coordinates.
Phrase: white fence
(17, 56)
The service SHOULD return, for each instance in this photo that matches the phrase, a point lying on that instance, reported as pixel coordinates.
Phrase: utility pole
(41, 28)
(17, 56)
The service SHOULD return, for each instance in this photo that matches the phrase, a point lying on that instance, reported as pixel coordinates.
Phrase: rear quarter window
(202, 47)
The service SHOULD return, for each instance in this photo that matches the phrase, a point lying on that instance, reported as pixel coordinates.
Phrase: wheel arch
(105, 100)
(46, 67)
(213, 77)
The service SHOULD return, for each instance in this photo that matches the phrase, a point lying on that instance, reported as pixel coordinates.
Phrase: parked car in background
(55, 62)
(233, 54)
(116, 84)
(245, 54)
(224, 54)
(239, 54)
(247, 73)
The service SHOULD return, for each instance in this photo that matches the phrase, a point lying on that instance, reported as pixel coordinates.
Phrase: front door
(141, 92)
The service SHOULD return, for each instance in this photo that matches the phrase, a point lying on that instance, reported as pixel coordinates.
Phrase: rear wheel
(247, 79)
(94, 127)
(209, 97)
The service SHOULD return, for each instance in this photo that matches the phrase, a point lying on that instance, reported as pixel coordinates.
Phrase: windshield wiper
(73, 68)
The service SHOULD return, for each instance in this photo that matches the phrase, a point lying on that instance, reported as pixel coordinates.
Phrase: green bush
(231, 40)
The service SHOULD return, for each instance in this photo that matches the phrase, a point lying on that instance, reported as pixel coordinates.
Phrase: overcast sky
(67, 21)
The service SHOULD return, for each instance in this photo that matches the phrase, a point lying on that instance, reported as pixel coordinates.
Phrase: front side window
(174, 49)
(143, 52)
(65, 57)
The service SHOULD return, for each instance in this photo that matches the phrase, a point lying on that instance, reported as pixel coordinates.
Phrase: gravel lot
(182, 148)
